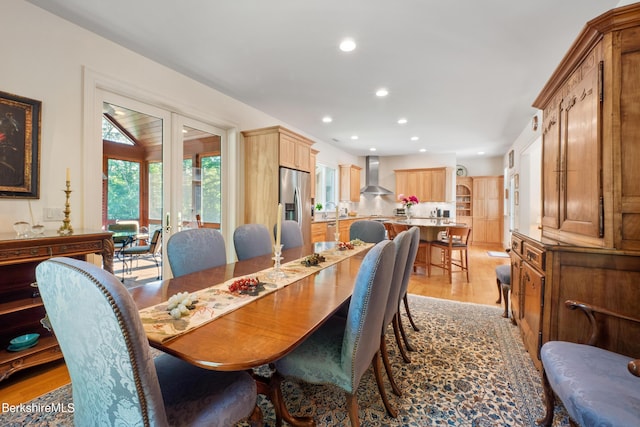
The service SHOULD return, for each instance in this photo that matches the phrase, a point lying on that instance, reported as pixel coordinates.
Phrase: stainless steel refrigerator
(295, 196)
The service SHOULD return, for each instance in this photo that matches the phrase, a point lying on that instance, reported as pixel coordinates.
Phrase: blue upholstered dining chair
(411, 258)
(597, 387)
(194, 250)
(341, 350)
(251, 240)
(367, 231)
(115, 379)
(402, 243)
(290, 234)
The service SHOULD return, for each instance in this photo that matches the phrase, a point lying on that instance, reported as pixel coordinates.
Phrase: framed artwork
(19, 147)
(516, 181)
(516, 198)
(510, 159)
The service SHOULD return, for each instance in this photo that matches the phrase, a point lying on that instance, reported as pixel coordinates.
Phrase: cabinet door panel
(581, 189)
(532, 289)
(551, 166)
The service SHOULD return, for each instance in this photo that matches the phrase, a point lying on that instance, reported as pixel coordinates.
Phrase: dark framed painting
(19, 146)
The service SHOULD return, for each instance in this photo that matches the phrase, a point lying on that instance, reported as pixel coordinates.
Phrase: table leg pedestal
(270, 387)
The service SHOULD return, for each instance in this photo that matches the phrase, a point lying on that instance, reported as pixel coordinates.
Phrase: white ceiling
(462, 72)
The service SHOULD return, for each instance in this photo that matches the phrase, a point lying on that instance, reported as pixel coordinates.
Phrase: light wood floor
(28, 384)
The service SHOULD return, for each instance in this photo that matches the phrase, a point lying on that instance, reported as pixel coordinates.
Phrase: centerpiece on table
(407, 204)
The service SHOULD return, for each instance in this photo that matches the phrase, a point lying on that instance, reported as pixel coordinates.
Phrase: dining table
(266, 328)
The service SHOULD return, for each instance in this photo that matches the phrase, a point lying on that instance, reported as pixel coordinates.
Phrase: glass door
(199, 198)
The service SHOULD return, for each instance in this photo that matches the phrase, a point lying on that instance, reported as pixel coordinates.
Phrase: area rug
(470, 369)
(498, 254)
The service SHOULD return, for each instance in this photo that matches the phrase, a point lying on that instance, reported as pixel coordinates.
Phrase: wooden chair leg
(466, 262)
(376, 370)
(406, 308)
(398, 326)
(549, 402)
(398, 331)
(387, 366)
(505, 292)
(352, 409)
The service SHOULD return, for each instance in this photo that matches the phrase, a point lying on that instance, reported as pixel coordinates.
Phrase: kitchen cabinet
(546, 274)
(487, 209)
(590, 177)
(350, 183)
(21, 307)
(264, 151)
(319, 232)
(428, 185)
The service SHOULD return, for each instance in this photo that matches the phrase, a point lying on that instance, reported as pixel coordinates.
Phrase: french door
(178, 164)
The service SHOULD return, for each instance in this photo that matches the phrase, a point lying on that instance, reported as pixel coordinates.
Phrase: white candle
(278, 226)
(31, 213)
(337, 221)
(68, 175)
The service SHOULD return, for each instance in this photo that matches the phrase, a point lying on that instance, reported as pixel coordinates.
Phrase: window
(326, 186)
(123, 190)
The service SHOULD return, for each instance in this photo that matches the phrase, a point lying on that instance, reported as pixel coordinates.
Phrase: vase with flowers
(407, 204)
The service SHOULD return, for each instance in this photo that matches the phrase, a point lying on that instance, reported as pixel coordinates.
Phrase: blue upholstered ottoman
(503, 278)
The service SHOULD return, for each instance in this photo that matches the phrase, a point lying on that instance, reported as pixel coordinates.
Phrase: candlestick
(279, 225)
(66, 228)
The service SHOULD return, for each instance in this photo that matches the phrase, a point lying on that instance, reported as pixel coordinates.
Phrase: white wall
(44, 60)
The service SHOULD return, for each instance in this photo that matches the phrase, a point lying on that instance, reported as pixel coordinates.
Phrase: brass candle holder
(66, 228)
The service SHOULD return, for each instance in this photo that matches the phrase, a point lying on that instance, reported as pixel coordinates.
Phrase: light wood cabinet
(428, 185)
(544, 276)
(350, 183)
(591, 178)
(265, 150)
(21, 307)
(319, 232)
(295, 151)
(487, 209)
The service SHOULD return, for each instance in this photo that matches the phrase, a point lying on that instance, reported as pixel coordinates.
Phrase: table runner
(217, 300)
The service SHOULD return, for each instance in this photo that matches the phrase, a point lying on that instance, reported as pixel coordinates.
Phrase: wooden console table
(21, 307)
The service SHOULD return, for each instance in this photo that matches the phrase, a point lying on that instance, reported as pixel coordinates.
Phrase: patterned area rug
(470, 369)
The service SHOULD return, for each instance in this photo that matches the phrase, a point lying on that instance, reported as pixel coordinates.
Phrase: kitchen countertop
(351, 218)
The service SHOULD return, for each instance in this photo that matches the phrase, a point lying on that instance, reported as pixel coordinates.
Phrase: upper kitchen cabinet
(265, 150)
(350, 183)
(591, 134)
(293, 150)
(428, 185)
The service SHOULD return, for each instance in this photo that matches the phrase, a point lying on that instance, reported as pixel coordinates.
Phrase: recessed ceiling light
(347, 45)
(354, 137)
(422, 150)
(480, 153)
(372, 149)
(402, 121)
(414, 138)
(327, 119)
(382, 92)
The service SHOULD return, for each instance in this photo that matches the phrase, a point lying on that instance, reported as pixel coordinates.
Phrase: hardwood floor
(28, 384)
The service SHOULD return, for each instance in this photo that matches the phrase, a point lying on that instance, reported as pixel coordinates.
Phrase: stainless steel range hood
(371, 178)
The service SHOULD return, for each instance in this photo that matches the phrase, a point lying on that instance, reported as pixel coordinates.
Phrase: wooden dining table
(263, 330)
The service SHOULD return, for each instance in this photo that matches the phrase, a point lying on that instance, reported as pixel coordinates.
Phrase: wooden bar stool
(456, 240)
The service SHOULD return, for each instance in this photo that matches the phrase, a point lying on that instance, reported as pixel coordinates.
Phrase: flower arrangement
(408, 201)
